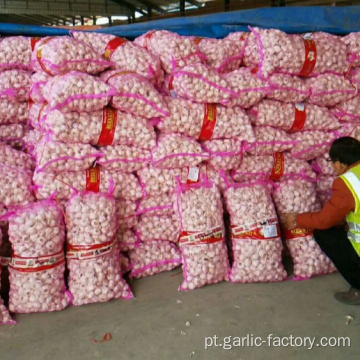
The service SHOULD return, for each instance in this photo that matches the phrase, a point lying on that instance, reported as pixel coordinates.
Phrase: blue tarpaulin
(336, 20)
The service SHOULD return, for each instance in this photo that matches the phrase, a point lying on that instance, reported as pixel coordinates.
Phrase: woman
(340, 245)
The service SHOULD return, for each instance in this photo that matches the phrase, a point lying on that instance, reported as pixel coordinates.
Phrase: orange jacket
(334, 211)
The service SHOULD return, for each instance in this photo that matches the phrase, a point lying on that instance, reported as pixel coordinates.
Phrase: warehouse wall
(62, 7)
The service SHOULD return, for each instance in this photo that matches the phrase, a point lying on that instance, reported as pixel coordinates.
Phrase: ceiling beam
(130, 6)
(182, 7)
(309, 2)
(37, 19)
(153, 6)
(195, 3)
(28, 19)
(48, 18)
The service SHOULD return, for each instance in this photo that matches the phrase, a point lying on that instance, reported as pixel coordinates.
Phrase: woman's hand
(290, 221)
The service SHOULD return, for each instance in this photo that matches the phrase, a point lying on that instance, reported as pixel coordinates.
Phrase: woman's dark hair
(345, 150)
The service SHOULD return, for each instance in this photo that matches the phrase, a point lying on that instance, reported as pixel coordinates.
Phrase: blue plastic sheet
(336, 20)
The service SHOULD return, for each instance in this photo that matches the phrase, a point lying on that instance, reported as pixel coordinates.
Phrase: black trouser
(336, 245)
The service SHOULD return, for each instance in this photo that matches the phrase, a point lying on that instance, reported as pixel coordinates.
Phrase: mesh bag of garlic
(152, 257)
(298, 195)
(134, 94)
(304, 55)
(330, 90)
(57, 55)
(36, 115)
(224, 55)
(201, 84)
(15, 158)
(205, 121)
(37, 84)
(348, 110)
(13, 112)
(77, 91)
(255, 234)
(127, 240)
(353, 48)
(95, 179)
(249, 89)
(251, 57)
(293, 117)
(99, 128)
(13, 135)
(15, 85)
(156, 181)
(37, 266)
(171, 48)
(158, 227)
(124, 158)
(15, 187)
(224, 154)
(126, 214)
(324, 187)
(5, 318)
(124, 54)
(163, 204)
(53, 156)
(158, 220)
(92, 253)
(312, 144)
(124, 263)
(323, 166)
(177, 151)
(203, 248)
(162, 181)
(269, 140)
(271, 167)
(15, 52)
(287, 88)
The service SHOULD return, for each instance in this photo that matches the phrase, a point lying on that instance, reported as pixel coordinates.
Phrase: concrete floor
(151, 325)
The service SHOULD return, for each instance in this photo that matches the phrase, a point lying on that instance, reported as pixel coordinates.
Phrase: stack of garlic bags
(197, 138)
(74, 123)
(135, 76)
(294, 118)
(15, 82)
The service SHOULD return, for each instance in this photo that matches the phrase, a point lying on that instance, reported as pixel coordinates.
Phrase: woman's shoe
(351, 297)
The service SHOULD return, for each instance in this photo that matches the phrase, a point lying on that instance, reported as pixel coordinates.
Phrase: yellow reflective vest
(352, 180)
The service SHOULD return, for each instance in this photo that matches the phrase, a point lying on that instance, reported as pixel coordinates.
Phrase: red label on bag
(112, 45)
(30, 104)
(208, 123)
(40, 112)
(214, 235)
(85, 252)
(261, 230)
(310, 57)
(93, 179)
(297, 233)
(39, 57)
(244, 36)
(197, 40)
(147, 38)
(33, 42)
(35, 264)
(300, 118)
(171, 87)
(278, 168)
(107, 134)
(4, 261)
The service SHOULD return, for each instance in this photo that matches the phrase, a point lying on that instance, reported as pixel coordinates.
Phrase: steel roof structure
(116, 12)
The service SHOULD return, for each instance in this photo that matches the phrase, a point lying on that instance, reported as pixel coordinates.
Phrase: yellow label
(93, 177)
